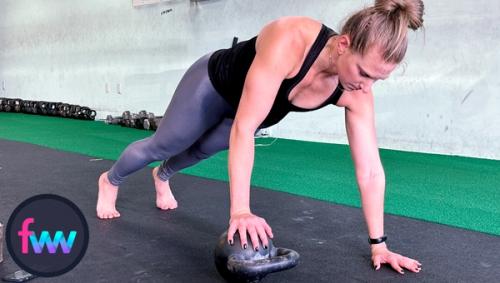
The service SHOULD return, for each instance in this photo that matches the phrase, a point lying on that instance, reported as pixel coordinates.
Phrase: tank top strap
(324, 34)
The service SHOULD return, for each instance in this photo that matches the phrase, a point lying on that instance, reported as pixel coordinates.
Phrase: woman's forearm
(240, 163)
(372, 190)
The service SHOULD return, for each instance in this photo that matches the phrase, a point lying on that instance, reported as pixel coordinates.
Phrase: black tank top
(227, 69)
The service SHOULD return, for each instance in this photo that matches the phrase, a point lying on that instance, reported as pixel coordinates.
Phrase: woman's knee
(205, 149)
(198, 154)
(141, 149)
(161, 148)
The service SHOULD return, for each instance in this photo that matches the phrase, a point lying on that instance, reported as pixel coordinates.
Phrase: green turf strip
(457, 191)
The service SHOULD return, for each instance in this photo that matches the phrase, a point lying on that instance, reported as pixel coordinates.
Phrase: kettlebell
(236, 264)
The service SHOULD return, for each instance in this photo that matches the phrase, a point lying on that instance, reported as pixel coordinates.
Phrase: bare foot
(107, 198)
(164, 198)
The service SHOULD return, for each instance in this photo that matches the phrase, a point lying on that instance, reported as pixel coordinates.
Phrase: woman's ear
(343, 44)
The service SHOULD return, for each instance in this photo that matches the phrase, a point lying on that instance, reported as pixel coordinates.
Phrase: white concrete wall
(446, 100)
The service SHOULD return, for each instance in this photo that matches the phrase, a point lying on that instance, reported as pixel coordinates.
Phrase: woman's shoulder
(287, 40)
(297, 32)
(303, 27)
(298, 21)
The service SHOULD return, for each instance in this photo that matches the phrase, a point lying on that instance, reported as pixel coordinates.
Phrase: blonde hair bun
(412, 10)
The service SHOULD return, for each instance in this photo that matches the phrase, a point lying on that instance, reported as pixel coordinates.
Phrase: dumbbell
(81, 113)
(135, 121)
(13, 105)
(9, 105)
(128, 119)
(53, 108)
(34, 107)
(74, 111)
(152, 123)
(110, 120)
(25, 106)
(146, 124)
(126, 116)
(87, 113)
(44, 107)
(67, 110)
(50, 108)
(90, 114)
(18, 104)
(64, 109)
(2, 101)
(142, 116)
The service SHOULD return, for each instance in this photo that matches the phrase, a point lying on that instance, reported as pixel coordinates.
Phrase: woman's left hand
(381, 254)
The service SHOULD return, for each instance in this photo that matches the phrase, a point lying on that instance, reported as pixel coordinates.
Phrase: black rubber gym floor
(149, 245)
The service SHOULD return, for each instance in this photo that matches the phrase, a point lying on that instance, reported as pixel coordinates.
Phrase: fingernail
(402, 272)
(257, 249)
(245, 246)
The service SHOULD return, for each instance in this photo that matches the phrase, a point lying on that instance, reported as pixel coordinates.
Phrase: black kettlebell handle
(285, 259)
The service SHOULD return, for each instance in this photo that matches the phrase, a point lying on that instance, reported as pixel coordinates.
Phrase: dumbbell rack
(46, 108)
(142, 120)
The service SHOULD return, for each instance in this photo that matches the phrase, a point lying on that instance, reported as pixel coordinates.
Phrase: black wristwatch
(377, 240)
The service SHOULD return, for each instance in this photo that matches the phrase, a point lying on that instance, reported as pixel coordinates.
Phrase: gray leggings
(195, 126)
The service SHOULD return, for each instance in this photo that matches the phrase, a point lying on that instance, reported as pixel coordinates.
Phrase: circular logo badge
(47, 235)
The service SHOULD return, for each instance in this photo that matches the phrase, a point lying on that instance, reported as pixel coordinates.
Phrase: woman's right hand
(255, 226)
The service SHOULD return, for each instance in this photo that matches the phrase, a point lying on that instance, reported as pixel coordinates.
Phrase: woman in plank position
(293, 64)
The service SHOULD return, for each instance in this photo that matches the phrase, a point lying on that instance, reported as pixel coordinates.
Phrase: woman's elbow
(369, 175)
